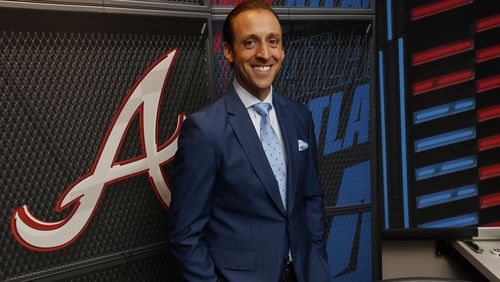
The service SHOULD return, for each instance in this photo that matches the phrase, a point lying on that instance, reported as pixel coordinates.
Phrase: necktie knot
(262, 109)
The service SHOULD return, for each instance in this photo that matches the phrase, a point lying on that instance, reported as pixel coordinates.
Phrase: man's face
(257, 50)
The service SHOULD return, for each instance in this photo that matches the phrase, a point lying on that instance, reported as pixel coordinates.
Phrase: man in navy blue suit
(247, 204)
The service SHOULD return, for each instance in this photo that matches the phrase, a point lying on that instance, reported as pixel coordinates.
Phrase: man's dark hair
(244, 6)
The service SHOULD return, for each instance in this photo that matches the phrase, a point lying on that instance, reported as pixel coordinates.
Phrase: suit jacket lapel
(249, 140)
(290, 138)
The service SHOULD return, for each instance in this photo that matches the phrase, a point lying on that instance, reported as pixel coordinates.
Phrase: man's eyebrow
(250, 35)
(253, 35)
(274, 35)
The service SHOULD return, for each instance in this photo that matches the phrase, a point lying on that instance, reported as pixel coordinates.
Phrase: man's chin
(263, 84)
(257, 87)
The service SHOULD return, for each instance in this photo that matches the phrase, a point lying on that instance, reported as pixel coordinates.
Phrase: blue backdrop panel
(349, 247)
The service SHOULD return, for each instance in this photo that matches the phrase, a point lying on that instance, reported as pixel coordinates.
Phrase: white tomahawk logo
(83, 195)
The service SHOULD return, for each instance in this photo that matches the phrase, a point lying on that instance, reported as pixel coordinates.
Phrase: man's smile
(262, 68)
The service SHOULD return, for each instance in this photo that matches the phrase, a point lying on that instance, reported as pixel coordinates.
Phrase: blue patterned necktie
(272, 148)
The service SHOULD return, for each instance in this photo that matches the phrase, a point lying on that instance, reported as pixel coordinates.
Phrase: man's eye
(249, 43)
(274, 42)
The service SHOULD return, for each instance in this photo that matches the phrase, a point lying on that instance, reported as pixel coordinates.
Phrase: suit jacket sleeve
(313, 195)
(192, 180)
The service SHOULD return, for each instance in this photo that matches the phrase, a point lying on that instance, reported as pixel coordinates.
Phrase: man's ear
(228, 52)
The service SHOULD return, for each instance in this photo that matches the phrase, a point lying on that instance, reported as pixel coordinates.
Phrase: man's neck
(247, 98)
(259, 95)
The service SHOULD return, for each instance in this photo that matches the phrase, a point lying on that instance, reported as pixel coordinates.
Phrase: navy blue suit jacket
(227, 221)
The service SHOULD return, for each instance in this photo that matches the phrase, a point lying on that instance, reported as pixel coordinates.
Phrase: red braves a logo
(83, 195)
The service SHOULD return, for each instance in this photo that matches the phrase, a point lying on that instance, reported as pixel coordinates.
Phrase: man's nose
(263, 52)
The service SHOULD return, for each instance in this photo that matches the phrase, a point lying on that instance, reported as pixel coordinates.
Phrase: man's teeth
(263, 68)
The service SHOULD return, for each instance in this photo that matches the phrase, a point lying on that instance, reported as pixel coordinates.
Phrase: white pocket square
(303, 145)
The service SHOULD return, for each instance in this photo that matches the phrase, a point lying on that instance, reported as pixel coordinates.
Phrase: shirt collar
(247, 98)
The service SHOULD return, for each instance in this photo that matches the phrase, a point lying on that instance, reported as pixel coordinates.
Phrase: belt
(288, 271)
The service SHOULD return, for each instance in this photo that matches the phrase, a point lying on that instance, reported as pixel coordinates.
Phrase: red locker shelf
(488, 113)
(489, 172)
(489, 142)
(442, 81)
(489, 201)
(488, 23)
(442, 52)
(492, 224)
(488, 83)
(488, 53)
(436, 7)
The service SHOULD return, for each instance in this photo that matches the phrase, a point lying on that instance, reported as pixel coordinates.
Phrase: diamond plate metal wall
(155, 268)
(349, 246)
(62, 81)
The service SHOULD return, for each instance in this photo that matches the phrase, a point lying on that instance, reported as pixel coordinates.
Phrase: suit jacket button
(289, 221)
